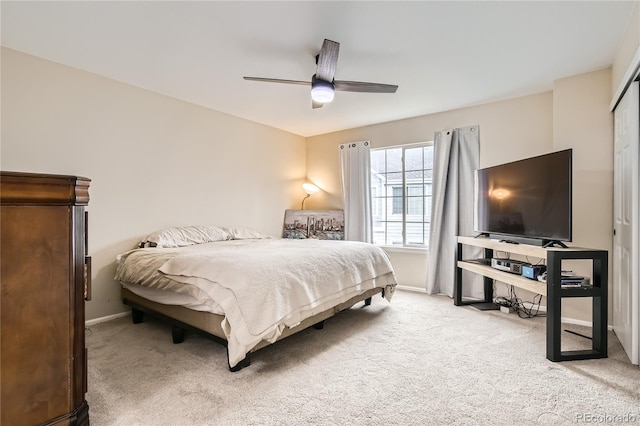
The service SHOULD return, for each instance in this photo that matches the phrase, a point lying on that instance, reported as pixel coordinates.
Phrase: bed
(244, 289)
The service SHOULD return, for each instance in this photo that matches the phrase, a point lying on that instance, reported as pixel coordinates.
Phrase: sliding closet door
(626, 295)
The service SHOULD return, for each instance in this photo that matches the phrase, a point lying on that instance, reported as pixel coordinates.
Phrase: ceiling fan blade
(360, 86)
(327, 60)
(278, 80)
(323, 85)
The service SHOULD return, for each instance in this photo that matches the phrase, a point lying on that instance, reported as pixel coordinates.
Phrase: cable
(520, 306)
(538, 263)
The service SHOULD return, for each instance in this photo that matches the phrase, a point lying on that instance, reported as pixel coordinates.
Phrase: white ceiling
(443, 54)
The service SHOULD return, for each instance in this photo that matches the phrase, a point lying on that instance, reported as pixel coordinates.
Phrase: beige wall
(627, 49)
(154, 161)
(574, 115)
(582, 121)
(509, 130)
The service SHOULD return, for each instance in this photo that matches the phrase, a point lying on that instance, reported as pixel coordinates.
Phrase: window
(401, 179)
(397, 200)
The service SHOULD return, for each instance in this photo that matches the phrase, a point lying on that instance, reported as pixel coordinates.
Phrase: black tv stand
(552, 289)
(485, 306)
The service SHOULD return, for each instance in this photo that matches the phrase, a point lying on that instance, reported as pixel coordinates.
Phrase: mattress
(261, 286)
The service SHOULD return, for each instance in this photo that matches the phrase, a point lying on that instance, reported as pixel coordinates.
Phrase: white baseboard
(581, 322)
(95, 321)
(411, 288)
(574, 321)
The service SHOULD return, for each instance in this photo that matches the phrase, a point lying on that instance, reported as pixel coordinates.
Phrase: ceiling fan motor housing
(322, 91)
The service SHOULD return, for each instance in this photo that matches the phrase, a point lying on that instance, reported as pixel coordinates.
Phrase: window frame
(404, 185)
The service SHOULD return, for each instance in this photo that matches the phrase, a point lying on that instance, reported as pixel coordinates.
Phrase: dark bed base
(179, 329)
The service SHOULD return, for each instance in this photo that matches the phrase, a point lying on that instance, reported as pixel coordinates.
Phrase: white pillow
(244, 233)
(181, 236)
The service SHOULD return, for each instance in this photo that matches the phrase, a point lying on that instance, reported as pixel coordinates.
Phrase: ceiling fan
(323, 86)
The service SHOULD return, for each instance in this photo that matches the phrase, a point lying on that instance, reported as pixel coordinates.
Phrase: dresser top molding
(19, 188)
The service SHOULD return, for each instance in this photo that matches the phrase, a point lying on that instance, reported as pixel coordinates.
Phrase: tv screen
(528, 199)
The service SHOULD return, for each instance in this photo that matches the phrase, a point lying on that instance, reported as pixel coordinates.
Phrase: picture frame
(314, 224)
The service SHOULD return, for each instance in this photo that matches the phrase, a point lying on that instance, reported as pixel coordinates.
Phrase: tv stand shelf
(552, 289)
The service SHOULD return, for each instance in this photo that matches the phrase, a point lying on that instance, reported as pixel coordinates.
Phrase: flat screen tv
(526, 201)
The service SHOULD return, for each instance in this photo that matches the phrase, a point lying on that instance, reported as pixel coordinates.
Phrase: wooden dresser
(45, 276)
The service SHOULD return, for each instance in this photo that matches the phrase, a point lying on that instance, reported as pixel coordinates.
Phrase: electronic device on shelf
(527, 201)
(508, 265)
(568, 280)
(533, 271)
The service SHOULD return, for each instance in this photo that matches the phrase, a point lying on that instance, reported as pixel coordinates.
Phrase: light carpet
(417, 360)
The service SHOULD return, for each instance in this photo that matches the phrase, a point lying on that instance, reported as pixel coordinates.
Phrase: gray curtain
(456, 158)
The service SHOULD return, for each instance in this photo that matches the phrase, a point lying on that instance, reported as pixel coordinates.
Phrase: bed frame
(208, 324)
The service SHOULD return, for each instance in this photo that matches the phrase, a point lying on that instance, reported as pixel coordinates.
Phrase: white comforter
(264, 285)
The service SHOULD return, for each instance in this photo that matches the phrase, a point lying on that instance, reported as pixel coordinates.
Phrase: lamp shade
(322, 91)
(310, 188)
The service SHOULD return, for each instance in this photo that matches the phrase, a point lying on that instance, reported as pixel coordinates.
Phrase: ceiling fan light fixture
(321, 91)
